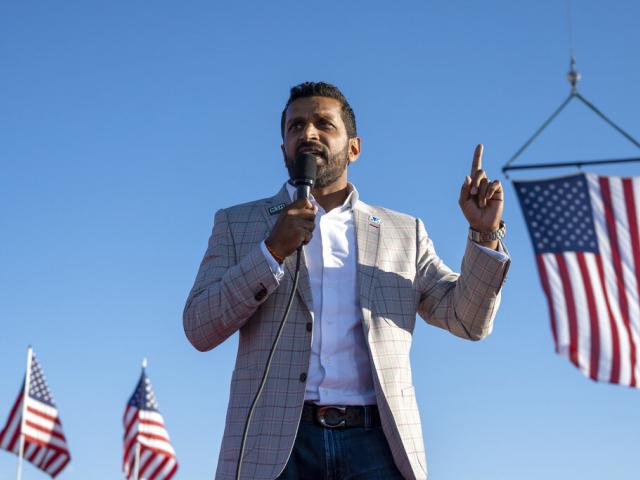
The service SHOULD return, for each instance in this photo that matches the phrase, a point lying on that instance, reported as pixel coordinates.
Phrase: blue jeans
(354, 453)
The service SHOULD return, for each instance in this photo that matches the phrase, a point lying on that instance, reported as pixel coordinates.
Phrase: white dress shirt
(339, 367)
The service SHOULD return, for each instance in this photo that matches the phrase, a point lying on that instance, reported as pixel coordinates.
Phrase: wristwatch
(480, 237)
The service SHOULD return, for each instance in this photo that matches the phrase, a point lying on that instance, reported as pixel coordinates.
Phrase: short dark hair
(322, 89)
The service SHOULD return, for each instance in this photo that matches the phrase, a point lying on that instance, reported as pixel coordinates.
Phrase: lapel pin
(374, 221)
(276, 209)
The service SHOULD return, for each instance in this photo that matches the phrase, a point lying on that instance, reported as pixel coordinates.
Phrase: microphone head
(304, 170)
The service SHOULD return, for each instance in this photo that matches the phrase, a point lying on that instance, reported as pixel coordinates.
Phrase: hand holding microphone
(295, 225)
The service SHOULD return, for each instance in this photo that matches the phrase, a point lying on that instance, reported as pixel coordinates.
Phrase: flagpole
(20, 451)
(25, 394)
(136, 470)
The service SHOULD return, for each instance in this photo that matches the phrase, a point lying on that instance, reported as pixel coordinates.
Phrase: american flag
(584, 230)
(147, 449)
(36, 420)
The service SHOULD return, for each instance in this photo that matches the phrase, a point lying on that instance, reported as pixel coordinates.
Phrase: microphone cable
(263, 382)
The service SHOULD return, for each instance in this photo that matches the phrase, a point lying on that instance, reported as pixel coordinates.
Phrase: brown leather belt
(341, 416)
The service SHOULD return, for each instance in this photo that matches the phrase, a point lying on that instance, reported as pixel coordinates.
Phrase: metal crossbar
(579, 164)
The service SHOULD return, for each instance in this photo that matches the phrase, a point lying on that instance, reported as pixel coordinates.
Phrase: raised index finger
(477, 159)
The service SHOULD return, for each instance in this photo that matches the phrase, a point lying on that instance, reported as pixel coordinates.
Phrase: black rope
(537, 132)
(574, 94)
(573, 76)
(606, 119)
(570, 30)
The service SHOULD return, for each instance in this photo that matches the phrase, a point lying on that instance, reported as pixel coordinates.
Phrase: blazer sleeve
(464, 303)
(227, 290)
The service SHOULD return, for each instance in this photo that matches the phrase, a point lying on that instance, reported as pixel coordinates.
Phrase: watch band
(480, 237)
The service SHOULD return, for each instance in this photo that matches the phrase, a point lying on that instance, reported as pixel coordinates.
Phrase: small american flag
(36, 420)
(584, 230)
(148, 454)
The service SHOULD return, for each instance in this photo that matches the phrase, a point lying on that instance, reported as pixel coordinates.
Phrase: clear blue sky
(125, 125)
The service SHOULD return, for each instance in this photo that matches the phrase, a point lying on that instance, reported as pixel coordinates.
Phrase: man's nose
(310, 132)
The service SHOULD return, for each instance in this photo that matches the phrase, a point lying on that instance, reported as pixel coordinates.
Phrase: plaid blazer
(398, 273)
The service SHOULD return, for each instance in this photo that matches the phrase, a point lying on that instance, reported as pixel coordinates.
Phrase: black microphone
(304, 175)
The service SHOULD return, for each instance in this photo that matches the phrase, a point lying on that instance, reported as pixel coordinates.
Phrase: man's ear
(355, 147)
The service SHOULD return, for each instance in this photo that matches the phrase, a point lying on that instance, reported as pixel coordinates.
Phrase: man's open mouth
(312, 150)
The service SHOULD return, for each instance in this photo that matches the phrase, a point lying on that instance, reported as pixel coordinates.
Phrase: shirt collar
(349, 203)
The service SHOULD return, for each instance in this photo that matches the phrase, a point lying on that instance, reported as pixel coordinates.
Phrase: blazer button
(309, 326)
(303, 376)
(260, 295)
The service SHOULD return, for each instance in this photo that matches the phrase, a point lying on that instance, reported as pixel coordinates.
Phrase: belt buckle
(320, 416)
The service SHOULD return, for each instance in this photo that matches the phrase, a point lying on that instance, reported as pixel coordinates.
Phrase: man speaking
(338, 402)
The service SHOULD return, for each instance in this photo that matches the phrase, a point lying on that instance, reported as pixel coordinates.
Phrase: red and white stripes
(594, 297)
(45, 445)
(145, 430)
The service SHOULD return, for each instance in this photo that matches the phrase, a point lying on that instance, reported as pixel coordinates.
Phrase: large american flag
(44, 445)
(146, 441)
(585, 233)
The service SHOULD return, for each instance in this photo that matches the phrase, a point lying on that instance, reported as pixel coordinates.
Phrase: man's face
(314, 125)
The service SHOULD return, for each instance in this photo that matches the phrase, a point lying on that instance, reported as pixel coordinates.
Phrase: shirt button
(303, 376)
(309, 326)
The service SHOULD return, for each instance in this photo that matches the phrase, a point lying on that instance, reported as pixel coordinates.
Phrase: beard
(329, 170)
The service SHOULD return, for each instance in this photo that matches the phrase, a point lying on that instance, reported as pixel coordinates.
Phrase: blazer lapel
(274, 207)
(304, 287)
(367, 227)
